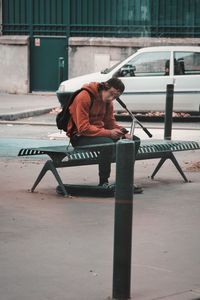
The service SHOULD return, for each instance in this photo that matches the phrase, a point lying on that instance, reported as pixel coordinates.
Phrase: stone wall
(86, 55)
(14, 64)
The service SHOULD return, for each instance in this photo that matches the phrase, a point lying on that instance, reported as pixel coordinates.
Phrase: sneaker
(107, 185)
(138, 189)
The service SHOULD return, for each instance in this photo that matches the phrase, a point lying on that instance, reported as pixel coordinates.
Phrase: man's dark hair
(114, 82)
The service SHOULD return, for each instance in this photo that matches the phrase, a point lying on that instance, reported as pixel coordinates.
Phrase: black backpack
(63, 117)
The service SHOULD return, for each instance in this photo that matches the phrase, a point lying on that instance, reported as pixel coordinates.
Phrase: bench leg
(174, 161)
(159, 165)
(49, 166)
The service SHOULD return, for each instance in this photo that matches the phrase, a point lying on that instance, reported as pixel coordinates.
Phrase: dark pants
(106, 155)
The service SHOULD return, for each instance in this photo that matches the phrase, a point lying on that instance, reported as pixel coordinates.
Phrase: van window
(146, 64)
(186, 63)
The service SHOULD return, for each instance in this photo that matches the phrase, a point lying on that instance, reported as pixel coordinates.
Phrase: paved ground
(62, 248)
(18, 106)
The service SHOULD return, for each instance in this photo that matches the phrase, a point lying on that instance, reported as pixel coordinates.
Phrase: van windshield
(108, 70)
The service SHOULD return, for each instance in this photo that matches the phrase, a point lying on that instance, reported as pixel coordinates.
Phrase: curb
(25, 114)
(144, 118)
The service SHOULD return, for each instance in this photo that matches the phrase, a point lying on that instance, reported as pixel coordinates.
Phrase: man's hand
(128, 136)
(116, 133)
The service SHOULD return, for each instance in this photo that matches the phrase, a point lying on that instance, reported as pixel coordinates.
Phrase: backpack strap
(91, 95)
(91, 98)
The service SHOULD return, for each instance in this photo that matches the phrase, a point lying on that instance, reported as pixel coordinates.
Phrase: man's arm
(109, 120)
(80, 115)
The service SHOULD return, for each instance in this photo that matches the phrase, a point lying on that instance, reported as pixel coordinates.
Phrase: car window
(186, 63)
(108, 70)
(146, 64)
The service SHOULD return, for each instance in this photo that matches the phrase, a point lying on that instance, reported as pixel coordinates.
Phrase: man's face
(110, 95)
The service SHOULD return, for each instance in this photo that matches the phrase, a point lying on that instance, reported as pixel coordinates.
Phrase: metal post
(1, 22)
(169, 111)
(61, 64)
(125, 158)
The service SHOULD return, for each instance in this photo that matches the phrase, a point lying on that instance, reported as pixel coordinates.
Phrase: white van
(145, 75)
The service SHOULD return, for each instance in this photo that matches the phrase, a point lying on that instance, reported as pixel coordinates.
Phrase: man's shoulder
(84, 97)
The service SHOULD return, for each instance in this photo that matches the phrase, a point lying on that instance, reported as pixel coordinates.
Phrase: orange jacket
(97, 120)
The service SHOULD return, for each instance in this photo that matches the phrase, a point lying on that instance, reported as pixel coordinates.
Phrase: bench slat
(146, 147)
(63, 156)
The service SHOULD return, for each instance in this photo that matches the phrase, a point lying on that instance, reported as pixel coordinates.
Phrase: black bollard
(61, 65)
(169, 111)
(125, 158)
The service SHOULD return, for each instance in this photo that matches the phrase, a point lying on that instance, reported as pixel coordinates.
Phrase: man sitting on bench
(93, 122)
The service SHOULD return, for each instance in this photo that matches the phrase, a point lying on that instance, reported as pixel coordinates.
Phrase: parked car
(145, 75)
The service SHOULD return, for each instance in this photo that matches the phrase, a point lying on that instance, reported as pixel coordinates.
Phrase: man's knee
(106, 140)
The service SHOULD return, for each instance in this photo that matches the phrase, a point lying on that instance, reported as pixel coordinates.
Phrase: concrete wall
(14, 64)
(87, 55)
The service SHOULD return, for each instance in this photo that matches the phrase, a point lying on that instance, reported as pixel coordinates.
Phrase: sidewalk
(62, 248)
(13, 107)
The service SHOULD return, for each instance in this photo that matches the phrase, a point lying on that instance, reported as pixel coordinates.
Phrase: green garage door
(45, 54)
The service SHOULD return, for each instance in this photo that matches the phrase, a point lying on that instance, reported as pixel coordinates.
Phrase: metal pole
(169, 111)
(125, 158)
(1, 22)
(61, 64)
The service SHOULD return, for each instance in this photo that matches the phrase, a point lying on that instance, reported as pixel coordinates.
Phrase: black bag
(63, 117)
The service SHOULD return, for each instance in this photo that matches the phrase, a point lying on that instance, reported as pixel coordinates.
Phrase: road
(41, 130)
(44, 126)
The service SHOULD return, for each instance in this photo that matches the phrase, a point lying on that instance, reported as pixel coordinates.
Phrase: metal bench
(63, 156)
